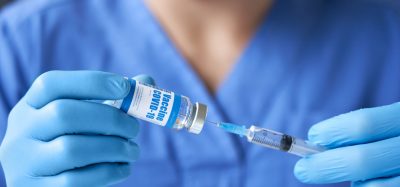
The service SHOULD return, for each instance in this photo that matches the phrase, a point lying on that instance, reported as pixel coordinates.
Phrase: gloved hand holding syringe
(165, 108)
(271, 139)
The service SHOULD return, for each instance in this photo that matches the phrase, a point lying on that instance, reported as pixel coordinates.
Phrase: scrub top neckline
(186, 70)
(252, 45)
(238, 62)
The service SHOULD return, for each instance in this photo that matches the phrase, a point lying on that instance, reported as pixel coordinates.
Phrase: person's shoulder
(374, 19)
(367, 10)
(374, 4)
(19, 11)
(28, 10)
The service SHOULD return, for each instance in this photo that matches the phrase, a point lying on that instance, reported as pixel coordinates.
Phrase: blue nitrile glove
(365, 149)
(56, 137)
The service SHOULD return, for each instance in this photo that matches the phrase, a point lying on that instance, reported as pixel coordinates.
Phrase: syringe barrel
(266, 138)
(283, 142)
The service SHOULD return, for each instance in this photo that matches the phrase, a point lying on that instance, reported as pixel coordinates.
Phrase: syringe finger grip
(303, 148)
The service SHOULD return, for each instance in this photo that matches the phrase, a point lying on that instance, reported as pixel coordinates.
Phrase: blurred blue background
(3, 2)
(2, 181)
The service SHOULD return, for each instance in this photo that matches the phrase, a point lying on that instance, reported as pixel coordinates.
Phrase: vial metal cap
(199, 117)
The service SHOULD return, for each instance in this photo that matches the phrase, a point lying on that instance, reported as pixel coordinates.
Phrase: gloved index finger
(360, 126)
(86, 85)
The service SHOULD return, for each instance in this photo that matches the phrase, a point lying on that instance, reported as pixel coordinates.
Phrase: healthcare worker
(284, 65)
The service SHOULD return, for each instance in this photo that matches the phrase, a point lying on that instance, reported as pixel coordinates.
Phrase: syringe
(272, 139)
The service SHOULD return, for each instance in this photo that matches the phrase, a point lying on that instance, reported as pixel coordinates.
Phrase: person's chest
(284, 82)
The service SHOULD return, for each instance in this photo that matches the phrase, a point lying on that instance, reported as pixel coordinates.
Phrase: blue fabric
(309, 60)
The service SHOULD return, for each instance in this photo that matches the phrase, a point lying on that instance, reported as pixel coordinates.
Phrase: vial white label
(151, 104)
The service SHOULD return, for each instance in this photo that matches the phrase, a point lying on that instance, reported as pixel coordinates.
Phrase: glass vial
(162, 107)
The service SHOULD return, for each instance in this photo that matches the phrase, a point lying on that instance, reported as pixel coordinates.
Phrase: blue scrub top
(308, 61)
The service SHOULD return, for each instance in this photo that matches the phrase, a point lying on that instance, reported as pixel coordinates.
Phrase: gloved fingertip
(145, 79)
(325, 133)
(134, 150)
(301, 171)
(314, 134)
(124, 170)
(118, 86)
(136, 128)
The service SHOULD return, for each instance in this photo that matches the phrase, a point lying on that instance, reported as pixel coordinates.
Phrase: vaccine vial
(162, 107)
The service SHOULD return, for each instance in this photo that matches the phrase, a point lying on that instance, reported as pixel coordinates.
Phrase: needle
(213, 123)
